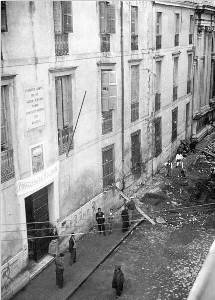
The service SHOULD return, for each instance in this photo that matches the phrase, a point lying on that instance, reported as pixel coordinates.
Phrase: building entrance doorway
(39, 229)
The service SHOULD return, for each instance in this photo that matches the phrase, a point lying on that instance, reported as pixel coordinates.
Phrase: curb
(104, 258)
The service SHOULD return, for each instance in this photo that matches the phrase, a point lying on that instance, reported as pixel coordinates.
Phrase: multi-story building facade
(173, 57)
(62, 151)
(204, 70)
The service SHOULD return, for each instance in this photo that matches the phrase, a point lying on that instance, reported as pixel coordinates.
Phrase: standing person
(100, 219)
(118, 280)
(110, 221)
(179, 158)
(125, 219)
(72, 248)
(168, 166)
(59, 264)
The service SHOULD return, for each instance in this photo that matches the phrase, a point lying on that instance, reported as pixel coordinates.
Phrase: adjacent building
(93, 95)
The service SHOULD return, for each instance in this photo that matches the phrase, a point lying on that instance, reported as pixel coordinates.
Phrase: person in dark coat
(118, 280)
(59, 264)
(100, 219)
(72, 249)
(125, 219)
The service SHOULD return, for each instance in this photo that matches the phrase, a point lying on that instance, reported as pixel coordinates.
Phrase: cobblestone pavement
(159, 262)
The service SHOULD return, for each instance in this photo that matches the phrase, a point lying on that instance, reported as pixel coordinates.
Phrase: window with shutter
(134, 93)
(57, 12)
(62, 13)
(108, 166)
(111, 19)
(7, 165)
(108, 99)
(134, 28)
(174, 124)
(3, 17)
(136, 153)
(158, 30)
(67, 16)
(103, 17)
(63, 86)
(189, 71)
(107, 18)
(175, 72)
(112, 90)
(158, 137)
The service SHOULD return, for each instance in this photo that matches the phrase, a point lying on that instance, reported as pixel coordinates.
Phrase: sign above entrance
(35, 107)
(31, 184)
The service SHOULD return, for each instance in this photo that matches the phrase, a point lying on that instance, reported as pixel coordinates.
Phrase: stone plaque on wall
(37, 158)
(35, 107)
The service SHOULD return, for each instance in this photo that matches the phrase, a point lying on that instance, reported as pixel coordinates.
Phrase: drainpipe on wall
(122, 92)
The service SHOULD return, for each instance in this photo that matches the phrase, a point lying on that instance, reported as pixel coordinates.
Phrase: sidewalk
(92, 249)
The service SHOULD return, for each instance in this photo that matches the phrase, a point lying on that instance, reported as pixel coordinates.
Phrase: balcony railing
(176, 39)
(107, 121)
(175, 93)
(158, 42)
(188, 86)
(64, 139)
(7, 165)
(134, 42)
(157, 101)
(105, 42)
(190, 38)
(61, 44)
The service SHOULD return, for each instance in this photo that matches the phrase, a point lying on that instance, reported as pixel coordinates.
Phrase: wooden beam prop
(137, 207)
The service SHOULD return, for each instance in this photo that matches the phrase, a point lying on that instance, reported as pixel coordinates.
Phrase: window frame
(108, 114)
(174, 124)
(136, 170)
(158, 33)
(104, 176)
(9, 152)
(58, 72)
(135, 113)
(134, 23)
(157, 138)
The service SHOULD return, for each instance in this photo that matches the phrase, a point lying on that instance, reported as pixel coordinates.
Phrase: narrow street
(159, 263)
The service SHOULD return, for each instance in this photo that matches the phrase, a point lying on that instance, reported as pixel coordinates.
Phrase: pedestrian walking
(110, 221)
(100, 219)
(118, 280)
(168, 166)
(72, 248)
(125, 219)
(59, 264)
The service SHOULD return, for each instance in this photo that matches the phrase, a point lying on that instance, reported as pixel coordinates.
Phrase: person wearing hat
(59, 264)
(72, 248)
(118, 280)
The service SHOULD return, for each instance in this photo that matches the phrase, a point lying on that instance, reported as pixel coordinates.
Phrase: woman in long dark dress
(125, 219)
(59, 264)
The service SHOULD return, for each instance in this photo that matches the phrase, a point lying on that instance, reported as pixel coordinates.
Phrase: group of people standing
(100, 219)
(179, 165)
(59, 260)
(118, 278)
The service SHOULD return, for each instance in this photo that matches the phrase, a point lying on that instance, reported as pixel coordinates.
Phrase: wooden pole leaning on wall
(71, 140)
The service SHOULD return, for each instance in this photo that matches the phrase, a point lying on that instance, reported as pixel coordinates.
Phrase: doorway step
(36, 268)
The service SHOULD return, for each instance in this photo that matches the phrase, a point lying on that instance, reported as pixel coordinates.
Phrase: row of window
(175, 80)
(158, 128)
(177, 30)
(108, 160)
(63, 25)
